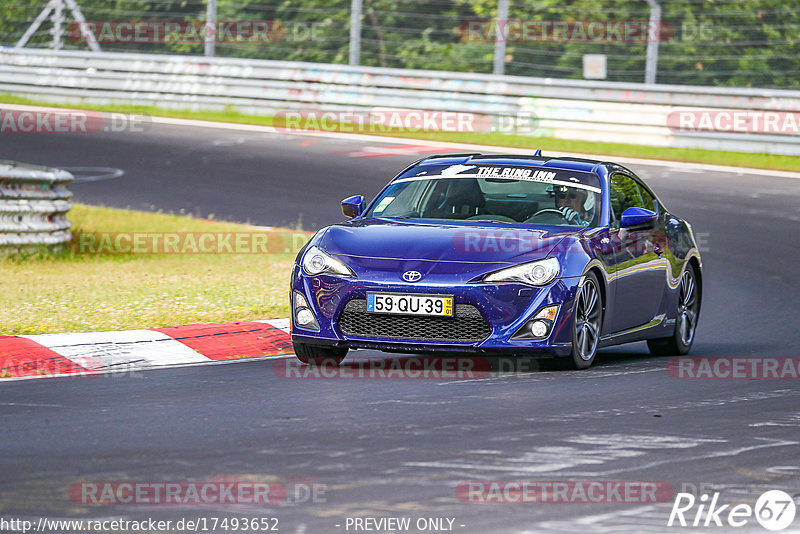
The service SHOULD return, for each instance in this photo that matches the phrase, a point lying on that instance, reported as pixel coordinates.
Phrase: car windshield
(533, 196)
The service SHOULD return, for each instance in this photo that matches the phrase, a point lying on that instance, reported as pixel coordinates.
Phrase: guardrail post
(653, 37)
(500, 37)
(355, 32)
(211, 27)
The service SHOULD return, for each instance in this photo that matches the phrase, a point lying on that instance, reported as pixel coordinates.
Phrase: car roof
(566, 163)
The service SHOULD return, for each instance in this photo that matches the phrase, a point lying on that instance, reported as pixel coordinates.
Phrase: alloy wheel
(587, 314)
(687, 307)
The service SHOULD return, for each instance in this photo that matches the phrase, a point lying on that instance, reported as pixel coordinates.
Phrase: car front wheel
(316, 355)
(587, 325)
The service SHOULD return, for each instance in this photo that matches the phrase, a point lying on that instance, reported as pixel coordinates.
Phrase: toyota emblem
(412, 276)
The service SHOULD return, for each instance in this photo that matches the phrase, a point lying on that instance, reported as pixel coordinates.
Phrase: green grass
(717, 157)
(76, 291)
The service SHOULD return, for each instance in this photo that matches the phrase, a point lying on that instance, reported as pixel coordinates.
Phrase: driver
(572, 203)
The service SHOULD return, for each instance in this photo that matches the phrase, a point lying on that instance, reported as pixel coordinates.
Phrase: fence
(741, 43)
(34, 202)
(565, 109)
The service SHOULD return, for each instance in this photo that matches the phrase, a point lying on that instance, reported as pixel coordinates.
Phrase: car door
(638, 270)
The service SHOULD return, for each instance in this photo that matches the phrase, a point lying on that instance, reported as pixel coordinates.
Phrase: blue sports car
(516, 255)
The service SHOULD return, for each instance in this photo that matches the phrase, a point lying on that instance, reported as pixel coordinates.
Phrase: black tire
(317, 355)
(587, 325)
(680, 342)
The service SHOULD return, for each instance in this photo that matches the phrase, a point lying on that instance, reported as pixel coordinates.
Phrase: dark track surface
(399, 448)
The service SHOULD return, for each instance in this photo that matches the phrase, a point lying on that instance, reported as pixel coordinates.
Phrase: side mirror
(354, 206)
(637, 217)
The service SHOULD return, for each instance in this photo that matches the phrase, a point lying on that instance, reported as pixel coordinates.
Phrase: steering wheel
(549, 215)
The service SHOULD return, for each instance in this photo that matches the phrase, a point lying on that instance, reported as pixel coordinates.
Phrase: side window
(647, 199)
(399, 200)
(624, 194)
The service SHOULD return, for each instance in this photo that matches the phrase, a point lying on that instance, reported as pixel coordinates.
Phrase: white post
(500, 37)
(58, 25)
(355, 32)
(211, 27)
(653, 37)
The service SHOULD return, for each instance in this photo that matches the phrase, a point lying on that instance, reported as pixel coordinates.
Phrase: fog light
(539, 328)
(304, 317)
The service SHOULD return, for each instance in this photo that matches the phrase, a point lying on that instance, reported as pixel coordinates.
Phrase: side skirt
(659, 326)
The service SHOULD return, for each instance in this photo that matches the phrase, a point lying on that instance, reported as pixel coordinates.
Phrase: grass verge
(100, 288)
(715, 157)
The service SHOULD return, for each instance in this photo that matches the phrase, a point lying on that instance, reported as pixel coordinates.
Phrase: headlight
(535, 273)
(317, 261)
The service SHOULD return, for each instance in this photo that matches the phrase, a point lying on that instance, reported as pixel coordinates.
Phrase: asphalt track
(400, 448)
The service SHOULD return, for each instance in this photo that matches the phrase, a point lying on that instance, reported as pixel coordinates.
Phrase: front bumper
(505, 308)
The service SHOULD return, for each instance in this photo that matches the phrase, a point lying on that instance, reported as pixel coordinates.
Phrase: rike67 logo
(774, 510)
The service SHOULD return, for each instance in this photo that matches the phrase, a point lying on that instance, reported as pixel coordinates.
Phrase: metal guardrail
(34, 202)
(566, 109)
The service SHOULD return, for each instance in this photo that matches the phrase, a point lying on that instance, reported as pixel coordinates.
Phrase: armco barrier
(566, 109)
(34, 202)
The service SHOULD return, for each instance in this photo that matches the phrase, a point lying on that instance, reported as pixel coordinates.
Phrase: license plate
(404, 304)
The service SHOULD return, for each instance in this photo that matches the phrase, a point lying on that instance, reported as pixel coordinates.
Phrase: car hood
(463, 242)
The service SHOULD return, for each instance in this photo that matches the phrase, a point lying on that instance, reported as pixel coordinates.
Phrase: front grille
(466, 326)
